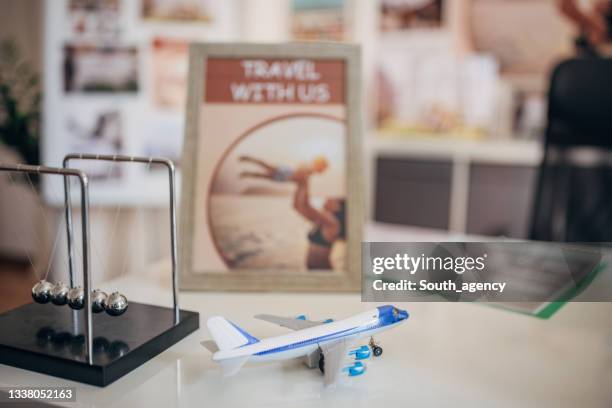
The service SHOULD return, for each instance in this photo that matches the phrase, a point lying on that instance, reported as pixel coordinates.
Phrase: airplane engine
(360, 353)
(356, 369)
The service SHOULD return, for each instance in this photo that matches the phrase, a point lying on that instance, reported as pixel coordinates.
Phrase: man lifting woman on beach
(329, 222)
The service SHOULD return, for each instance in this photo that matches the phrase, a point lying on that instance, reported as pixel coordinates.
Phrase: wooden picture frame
(217, 72)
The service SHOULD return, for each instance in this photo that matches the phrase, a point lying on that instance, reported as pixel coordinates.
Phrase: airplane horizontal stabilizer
(210, 345)
(231, 366)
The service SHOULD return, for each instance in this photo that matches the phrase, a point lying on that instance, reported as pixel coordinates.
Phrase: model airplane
(324, 344)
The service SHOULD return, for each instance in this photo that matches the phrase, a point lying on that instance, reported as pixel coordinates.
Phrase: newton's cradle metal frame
(53, 341)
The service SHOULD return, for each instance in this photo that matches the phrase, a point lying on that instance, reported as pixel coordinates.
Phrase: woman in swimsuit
(329, 225)
(329, 222)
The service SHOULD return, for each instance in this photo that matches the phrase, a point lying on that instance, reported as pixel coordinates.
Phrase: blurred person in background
(594, 22)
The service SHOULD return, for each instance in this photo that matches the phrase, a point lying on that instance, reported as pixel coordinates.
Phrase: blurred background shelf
(483, 150)
(479, 186)
(502, 151)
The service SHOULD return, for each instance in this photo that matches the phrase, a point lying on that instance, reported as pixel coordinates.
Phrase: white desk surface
(445, 355)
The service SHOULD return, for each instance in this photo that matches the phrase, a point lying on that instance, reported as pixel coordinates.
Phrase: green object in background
(545, 310)
(552, 307)
(20, 98)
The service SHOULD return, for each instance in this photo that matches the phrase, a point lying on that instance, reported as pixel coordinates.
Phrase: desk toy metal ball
(76, 298)
(98, 301)
(25, 328)
(59, 294)
(116, 304)
(41, 292)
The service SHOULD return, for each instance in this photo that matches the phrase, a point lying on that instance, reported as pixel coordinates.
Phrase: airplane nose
(402, 315)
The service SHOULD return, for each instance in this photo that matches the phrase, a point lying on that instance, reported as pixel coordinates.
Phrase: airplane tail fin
(227, 335)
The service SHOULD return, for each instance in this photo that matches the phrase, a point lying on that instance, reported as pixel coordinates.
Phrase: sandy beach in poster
(252, 240)
(253, 221)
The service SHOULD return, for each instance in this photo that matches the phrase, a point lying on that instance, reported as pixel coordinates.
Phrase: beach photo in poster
(269, 187)
(277, 199)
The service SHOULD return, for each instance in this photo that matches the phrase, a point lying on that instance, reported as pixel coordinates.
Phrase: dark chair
(573, 200)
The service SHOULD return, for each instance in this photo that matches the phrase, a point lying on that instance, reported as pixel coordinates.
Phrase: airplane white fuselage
(303, 342)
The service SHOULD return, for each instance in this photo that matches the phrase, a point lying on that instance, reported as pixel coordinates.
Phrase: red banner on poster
(284, 81)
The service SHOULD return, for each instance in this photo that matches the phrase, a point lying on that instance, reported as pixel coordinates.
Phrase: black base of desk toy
(42, 338)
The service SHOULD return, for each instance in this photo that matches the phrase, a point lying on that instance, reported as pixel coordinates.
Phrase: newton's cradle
(79, 342)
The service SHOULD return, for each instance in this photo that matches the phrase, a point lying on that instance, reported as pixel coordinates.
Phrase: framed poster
(272, 186)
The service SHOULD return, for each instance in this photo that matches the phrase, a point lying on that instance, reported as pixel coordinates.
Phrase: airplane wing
(288, 322)
(335, 355)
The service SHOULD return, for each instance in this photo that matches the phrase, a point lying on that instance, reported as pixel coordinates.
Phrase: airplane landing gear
(376, 349)
(322, 363)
